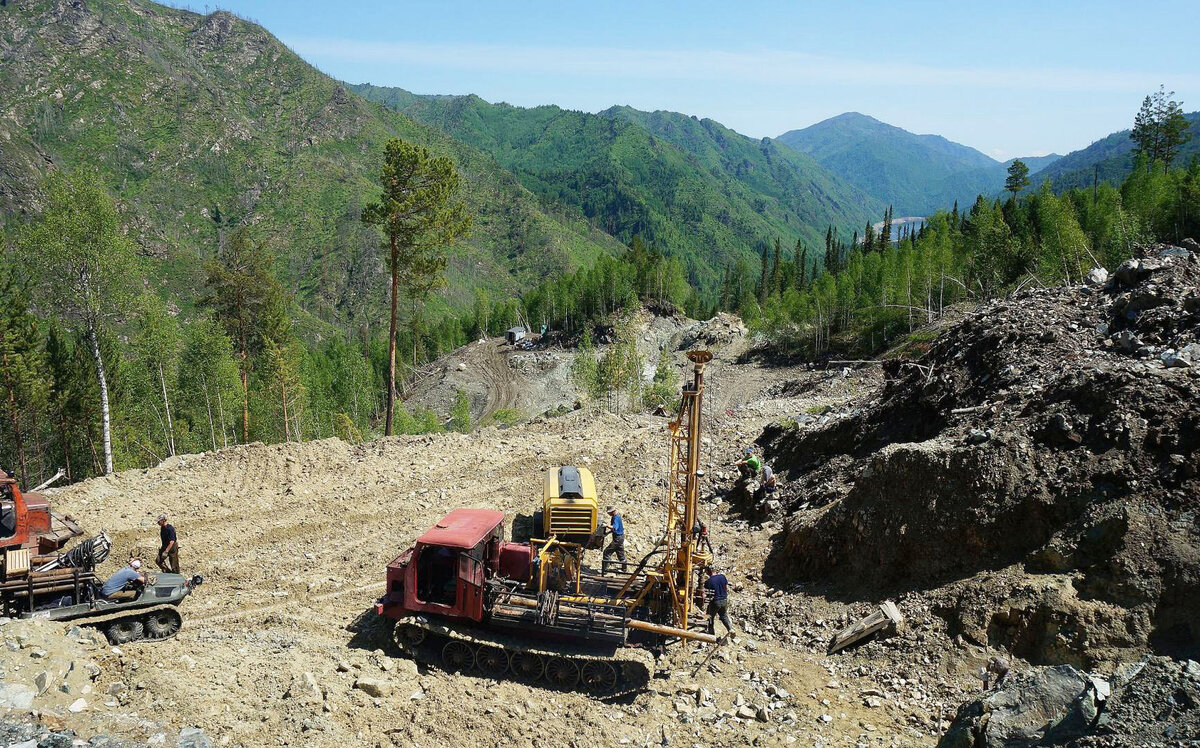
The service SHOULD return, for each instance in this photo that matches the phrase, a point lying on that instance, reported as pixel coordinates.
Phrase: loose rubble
(1044, 452)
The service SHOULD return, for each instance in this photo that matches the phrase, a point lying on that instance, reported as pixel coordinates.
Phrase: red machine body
(445, 571)
(26, 522)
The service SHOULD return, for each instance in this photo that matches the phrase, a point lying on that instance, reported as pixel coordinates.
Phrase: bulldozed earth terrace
(1026, 487)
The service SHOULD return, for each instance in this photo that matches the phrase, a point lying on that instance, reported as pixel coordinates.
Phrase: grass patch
(505, 417)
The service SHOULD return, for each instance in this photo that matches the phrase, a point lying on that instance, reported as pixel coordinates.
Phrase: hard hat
(136, 563)
(161, 518)
(749, 450)
(611, 509)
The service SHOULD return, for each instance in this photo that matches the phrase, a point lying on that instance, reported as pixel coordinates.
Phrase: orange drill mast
(674, 581)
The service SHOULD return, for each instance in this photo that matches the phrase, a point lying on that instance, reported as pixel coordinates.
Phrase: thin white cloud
(776, 67)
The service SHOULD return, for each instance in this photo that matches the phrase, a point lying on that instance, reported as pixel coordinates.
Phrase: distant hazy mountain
(1035, 163)
(694, 187)
(1114, 155)
(917, 174)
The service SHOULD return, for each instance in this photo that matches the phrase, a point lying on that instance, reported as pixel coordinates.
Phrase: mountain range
(691, 186)
(200, 124)
(916, 174)
(1110, 159)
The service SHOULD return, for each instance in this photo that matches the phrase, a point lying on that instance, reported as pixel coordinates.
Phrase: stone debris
(1079, 473)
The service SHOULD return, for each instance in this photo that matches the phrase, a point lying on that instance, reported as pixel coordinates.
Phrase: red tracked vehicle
(465, 598)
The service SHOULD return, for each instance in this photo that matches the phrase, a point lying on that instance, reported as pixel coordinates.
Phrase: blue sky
(1009, 78)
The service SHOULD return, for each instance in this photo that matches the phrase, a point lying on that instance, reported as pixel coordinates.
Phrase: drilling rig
(467, 599)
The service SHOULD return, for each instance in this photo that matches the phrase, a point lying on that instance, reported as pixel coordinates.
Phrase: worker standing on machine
(168, 552)
(719, 606)
(617, 546)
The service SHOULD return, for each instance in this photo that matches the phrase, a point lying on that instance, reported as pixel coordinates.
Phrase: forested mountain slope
(692, 187)
(917, 174)
(199, 124)
(1113, 155)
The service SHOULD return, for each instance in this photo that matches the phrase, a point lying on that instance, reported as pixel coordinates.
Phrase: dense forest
(103, 370)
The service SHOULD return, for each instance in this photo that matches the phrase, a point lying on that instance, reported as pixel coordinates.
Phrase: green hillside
(1035, 163)
(1113, 155)
(693, 187)
(200, 124)
(917, 174)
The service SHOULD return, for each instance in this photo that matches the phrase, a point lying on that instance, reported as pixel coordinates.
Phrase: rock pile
(50, 666)
(1152, 702)
(1047, 449)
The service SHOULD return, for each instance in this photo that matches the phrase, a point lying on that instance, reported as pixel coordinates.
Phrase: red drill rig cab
(26, 522)
(445, 571)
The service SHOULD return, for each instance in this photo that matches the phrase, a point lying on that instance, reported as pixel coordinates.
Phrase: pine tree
(803, 265)
(419, 214)
(24, 374)
(885, 234)
(1159, 128)
(247, 299)
(775, 267)
(765, 276)
(1018, 177)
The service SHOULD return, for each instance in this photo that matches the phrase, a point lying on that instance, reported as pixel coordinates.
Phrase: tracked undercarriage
(600, 669)
(146, 614)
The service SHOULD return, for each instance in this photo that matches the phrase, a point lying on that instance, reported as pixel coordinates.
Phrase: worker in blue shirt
(118, 581)
(719, 606)
(617, 546)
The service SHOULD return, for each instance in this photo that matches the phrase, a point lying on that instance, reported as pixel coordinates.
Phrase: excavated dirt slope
(293, 539)
(1037, 470)
(1053, 515)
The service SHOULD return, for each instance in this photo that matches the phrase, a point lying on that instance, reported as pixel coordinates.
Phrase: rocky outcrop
(1054, 434)
(1050, 707)
(1152, 702)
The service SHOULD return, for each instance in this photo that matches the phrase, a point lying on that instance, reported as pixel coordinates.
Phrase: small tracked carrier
(38, 580)
(465, 598)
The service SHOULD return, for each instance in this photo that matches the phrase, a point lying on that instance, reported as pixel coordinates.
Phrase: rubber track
(132, 614)
(634, 666)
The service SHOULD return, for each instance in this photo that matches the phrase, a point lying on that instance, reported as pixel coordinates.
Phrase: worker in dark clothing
(168, 552)
(616, 547)
(700, 536)
(719, 605)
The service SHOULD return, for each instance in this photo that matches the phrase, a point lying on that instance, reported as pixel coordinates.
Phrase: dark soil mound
(1056, 430)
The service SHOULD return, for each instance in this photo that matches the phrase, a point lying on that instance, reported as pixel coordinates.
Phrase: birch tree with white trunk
(85, 268)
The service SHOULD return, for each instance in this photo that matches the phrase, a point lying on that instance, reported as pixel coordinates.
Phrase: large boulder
(1052, 706)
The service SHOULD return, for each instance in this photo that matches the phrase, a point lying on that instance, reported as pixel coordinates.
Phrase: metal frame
(674, 578)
